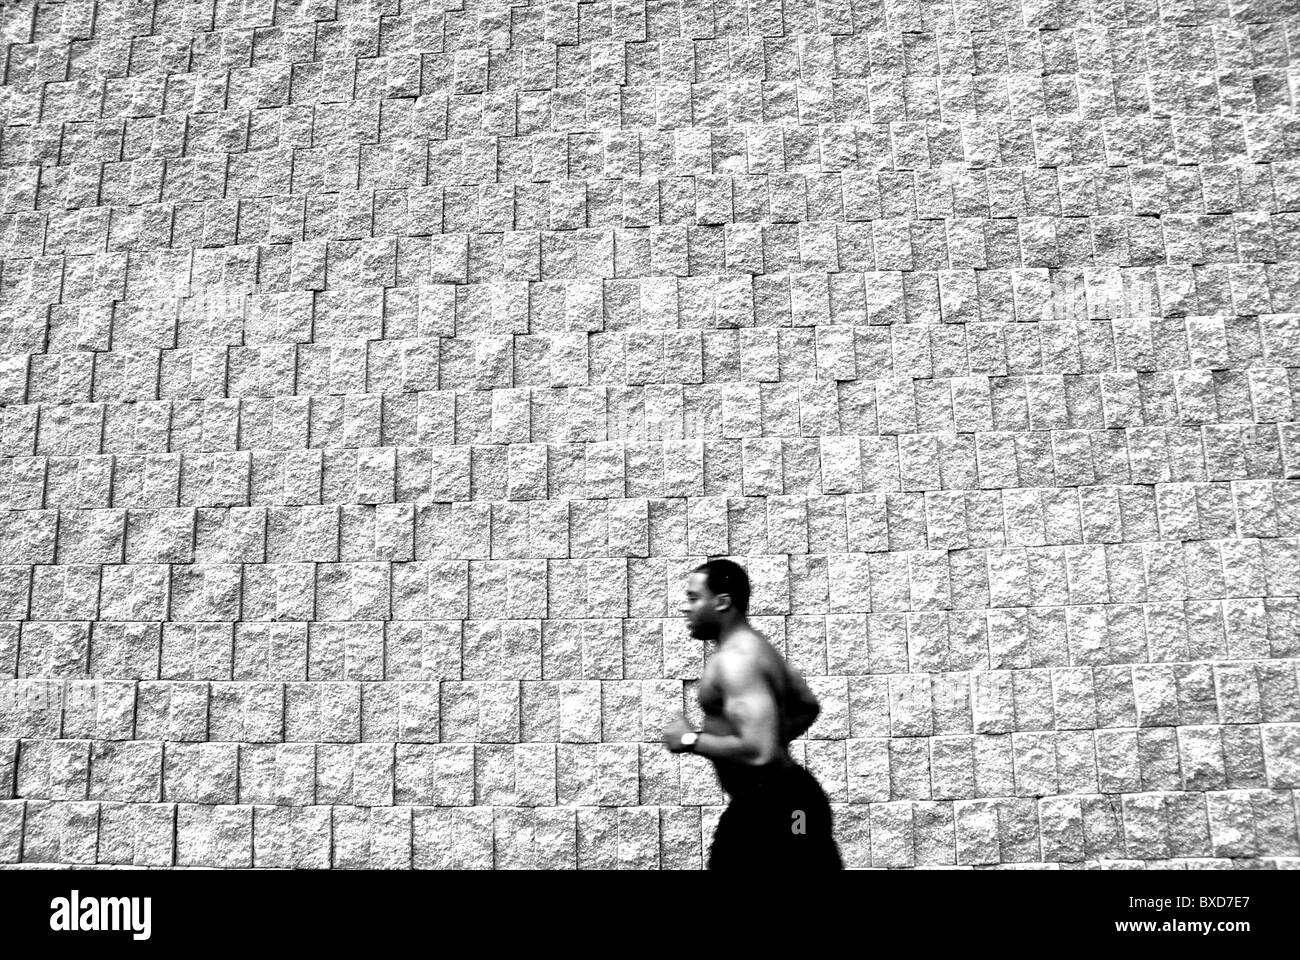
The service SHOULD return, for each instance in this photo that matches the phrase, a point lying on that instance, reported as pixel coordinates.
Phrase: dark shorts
(778, 819)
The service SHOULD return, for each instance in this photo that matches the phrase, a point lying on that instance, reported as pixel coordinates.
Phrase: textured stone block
(214, 836)
(60, 832)
(291, 837)
(372, 837)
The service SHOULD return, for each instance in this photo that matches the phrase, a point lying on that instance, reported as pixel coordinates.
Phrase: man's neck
(732, 630)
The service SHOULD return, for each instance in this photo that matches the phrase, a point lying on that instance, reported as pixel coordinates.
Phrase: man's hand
(673, 733)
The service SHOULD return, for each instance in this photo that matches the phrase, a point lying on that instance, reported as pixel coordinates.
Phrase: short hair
(729, 577)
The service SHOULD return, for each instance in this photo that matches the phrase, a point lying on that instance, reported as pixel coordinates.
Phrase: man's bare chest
(710, 694)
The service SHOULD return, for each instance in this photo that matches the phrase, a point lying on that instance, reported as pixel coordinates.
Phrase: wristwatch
(688, 740)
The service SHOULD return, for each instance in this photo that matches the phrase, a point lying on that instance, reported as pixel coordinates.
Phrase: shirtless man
(754, 704)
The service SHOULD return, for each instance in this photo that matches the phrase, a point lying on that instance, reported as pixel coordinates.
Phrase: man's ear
(722, 601)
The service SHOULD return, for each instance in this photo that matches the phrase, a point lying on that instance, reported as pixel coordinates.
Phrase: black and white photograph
(853, 442)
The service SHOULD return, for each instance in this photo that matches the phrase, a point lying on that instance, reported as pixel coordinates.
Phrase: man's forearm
(718, 746)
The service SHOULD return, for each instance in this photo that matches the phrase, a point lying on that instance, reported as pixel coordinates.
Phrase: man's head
(717, 595)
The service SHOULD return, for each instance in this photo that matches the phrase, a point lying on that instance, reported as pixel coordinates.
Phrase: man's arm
(802, 708)
(749, 706)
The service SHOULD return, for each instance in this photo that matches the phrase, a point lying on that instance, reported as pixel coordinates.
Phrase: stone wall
(372, 374)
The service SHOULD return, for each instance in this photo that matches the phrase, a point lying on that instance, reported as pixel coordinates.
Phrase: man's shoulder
(747, 653)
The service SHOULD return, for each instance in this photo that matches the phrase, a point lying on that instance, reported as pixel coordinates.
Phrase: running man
(754, 704)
